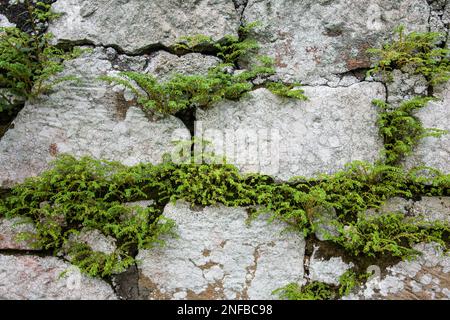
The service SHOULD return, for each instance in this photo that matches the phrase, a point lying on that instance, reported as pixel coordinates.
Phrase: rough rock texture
(314, 41)
(217, 256)
(96, 240)
(4, 22)
(431, 151)
(135, 25)
(36, 278)
(405, 87)
(427, 277)
(84, 118)
(163, 64)
(327, 271)
(323, 219)
(286, 138)
(427, 208)
(433, 208)
(10, 229)
(439, 16)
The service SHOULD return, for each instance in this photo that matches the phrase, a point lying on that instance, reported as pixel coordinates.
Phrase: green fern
(89, 193)
(401, 129)
(190, 91)
(28, 62)
(418, 53)
(312, 291)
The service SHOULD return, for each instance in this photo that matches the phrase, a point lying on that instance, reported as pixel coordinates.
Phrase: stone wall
(320, 43)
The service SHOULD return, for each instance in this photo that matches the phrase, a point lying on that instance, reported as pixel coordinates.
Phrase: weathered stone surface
(439, 16)
(286, 138)
(316, 41)
(10, 229)
(431, 151)
(135, 25)
(393, 205)
(433, 209)
(405, 86)
(4, 22)
(217, 256)
(84, 118)
(426, 277)
(323, 219)
(427, 208)
(95, 240)
(327, 271)
(36, 278)
(164, 65)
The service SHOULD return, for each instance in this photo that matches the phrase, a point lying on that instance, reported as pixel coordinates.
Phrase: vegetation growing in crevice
(89, 193)
(221, 82)
(388, 233)
(317, 290)
(230, 49)
(28, 61)
(401, 129)
(416, 53)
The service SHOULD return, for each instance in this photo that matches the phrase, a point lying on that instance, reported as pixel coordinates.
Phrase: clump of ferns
(203, 90)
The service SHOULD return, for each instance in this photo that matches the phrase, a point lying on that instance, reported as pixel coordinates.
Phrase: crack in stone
(240, 6)
(251, 273)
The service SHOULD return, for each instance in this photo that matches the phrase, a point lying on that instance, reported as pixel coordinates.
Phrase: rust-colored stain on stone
(360, 60)
(315, 52)
(53, 149)
(285, 49)
(206, 252)
(214, 291)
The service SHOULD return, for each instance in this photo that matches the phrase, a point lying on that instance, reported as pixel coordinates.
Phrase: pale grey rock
(219, 256)
(397, 204)
(425, 277)
(95, 240)
(88, 117)
(37, 278)
(405, 86)
(439, 16)
(240, 5)
(312, 41)
(393, 205)
(135, 209)
(142, 203)
(136, 25)
(10, 229)
(122, 62)
(286, 137)
(434, 151)
(164, 65)
(433, 209)
(4, 22)
(327, 271)
(323, 222)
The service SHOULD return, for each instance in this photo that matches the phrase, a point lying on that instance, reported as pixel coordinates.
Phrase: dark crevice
(18, 252)
(126, 284)
(386, 90)
(18, 14)
(358, 73)
(327, 250)
(4, 193)
(188, 117)
(240, 6)
(147, 50)
(7, 118)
